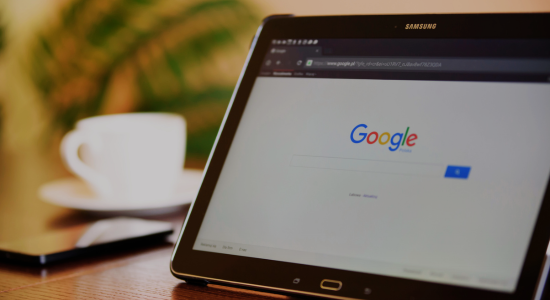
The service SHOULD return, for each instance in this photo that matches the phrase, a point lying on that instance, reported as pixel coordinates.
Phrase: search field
(367, 165)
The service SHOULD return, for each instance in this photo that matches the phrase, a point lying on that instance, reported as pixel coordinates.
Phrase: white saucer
(74, 193)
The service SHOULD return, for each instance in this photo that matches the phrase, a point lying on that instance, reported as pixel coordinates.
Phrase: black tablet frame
(276, 276)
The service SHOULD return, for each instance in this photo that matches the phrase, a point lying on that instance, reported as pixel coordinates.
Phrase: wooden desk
(140, 274)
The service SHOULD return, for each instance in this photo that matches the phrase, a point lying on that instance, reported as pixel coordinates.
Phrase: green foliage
(157, 44)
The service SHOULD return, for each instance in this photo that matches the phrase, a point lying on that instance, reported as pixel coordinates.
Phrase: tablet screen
(417, 159)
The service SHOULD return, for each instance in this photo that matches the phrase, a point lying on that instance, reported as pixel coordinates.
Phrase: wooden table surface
(140, 274)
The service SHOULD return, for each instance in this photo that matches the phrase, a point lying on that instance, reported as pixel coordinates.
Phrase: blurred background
(64, 60)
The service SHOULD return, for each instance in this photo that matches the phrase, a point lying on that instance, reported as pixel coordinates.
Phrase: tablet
(381, 157)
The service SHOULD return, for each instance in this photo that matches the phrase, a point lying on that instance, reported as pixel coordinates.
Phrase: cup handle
(69, 152)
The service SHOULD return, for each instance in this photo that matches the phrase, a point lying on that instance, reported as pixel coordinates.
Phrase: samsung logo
(420, 26)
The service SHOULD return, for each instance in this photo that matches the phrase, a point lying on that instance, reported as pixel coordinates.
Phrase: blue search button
(457, 172)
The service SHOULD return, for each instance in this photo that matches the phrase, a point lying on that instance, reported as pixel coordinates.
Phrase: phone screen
(66, 242)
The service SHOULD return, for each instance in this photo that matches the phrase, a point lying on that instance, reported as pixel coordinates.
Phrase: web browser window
(409, 159)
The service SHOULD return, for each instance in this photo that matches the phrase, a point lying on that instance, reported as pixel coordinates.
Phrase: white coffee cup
(128, 157)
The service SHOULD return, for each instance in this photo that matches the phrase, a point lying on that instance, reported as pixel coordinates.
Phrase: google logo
(396, 140)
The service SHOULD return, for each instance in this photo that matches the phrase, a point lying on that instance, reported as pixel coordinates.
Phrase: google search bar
(380, 166)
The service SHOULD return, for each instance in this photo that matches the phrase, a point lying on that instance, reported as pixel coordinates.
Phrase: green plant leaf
(74, 62)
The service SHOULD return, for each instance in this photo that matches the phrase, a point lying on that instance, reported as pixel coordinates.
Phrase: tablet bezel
(277, 276)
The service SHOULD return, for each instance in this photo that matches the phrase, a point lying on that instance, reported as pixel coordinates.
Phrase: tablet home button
(333, 285)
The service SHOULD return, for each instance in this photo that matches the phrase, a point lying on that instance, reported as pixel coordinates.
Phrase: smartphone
(85, 240)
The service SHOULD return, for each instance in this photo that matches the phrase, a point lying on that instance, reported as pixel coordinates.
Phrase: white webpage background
(481, 225)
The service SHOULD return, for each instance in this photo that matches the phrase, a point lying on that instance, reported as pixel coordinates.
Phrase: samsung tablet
(381, 157)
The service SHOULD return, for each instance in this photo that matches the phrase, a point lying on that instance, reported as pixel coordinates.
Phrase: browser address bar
(431, 64)
(380, 166)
